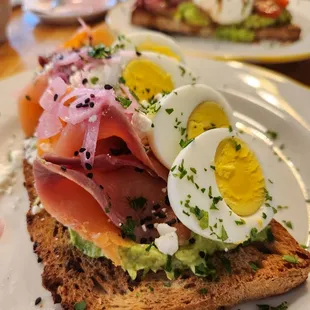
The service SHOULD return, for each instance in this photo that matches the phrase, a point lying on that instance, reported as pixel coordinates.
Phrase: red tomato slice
(268, 8)
(282, 3)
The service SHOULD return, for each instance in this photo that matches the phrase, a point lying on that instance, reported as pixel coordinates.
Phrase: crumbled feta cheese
(92, 119)
(30, 148)
(167, 243)
(143, 227)
(37, 208)
(141, 123)
(164, 190)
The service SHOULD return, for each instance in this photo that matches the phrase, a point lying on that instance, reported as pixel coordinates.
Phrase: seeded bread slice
(72, 277)
(143, 18)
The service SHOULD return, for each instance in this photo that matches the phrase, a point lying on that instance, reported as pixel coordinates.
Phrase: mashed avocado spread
(146, 257)
(242, 32)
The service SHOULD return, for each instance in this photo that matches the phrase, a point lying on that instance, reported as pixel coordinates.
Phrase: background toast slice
(72, 277)
(143, 18)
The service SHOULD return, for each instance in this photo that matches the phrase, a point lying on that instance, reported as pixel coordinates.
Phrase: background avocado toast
(185, 17)
(249, 272)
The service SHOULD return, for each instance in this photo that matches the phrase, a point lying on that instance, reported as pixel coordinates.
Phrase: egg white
(164, 138)
(132, 40)
(200, 154)
(226, 12)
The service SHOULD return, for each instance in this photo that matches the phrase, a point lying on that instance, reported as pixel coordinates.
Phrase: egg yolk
(146, 78)
(239, 177)
(207, 115)
(148, 45)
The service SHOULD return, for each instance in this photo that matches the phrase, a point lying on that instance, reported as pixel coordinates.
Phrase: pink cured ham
(123, 194)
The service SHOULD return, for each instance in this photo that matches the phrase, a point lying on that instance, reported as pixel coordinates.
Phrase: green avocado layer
(242, 32)
(146, 257)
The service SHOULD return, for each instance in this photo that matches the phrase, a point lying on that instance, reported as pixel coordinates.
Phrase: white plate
(261, 100)
(118, 18)
(68, 14)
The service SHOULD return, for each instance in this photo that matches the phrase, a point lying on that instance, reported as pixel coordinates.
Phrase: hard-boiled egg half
(226, 12)
(150, 41)
(186, 113)
(146, 74)
(218, 187)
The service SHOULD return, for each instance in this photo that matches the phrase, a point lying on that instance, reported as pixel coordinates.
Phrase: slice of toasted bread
(143, 18)
(72, 277)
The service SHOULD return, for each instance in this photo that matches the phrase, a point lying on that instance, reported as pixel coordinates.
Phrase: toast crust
(71, 276)
(144, 18)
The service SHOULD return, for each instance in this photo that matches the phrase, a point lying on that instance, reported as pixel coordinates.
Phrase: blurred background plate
(266, 52)
(67, 12)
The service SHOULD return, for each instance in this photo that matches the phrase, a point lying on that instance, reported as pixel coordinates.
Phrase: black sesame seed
(37, 301)
(35, 245)
(171, 222)
(79, 105)
(160, 214)
(150, 226)
(63, 168)
(76, 153)
(92, 96)
(85, 105)
(139, 169)
(178, 221)
(84, 81)
(82, 149)
(108, 86)
(87, 100)
(192, 240)
(89, 175)
(138, 53)
(88, 166)
(101, 186)
(91, 104)
(60, 57)
(156, 207)
(202, 254)
(167, 202)
(88, 155)
(39, 259)
(143, 240)
(55, 97)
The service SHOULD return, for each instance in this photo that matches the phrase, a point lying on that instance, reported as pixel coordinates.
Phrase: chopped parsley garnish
(203, 190)
(134, 95)
(272, 134)
(224, 235)
(168, 266)
(253, 233)
(182, 130)
(236, 145)
(128, 228)
(290, 259)
(107, 210)
(282, 147)
(172, 169)
(226, 263)
(212, 167)
(282, 306)
(203, 291)
(193, 170)
(169, 111)
(240, 222)
(94, 80)
(182, 171)
(267, 196)
(80, 305)
(282, 207)
(28, 97)
(185, 143)
(148, 248)
(254, 266)
(304, 246)
(215, 201)
(137, 203)
(121, 80)
(182, 70)
(270, 236)
(288, 224)
(270, 181)
(100, 51)
(230, 128)
(210, 192)
(186, 213)
(125, 102)
(264, 215)
(205, 169)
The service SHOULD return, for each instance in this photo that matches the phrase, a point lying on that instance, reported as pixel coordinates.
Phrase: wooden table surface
(28, 39)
